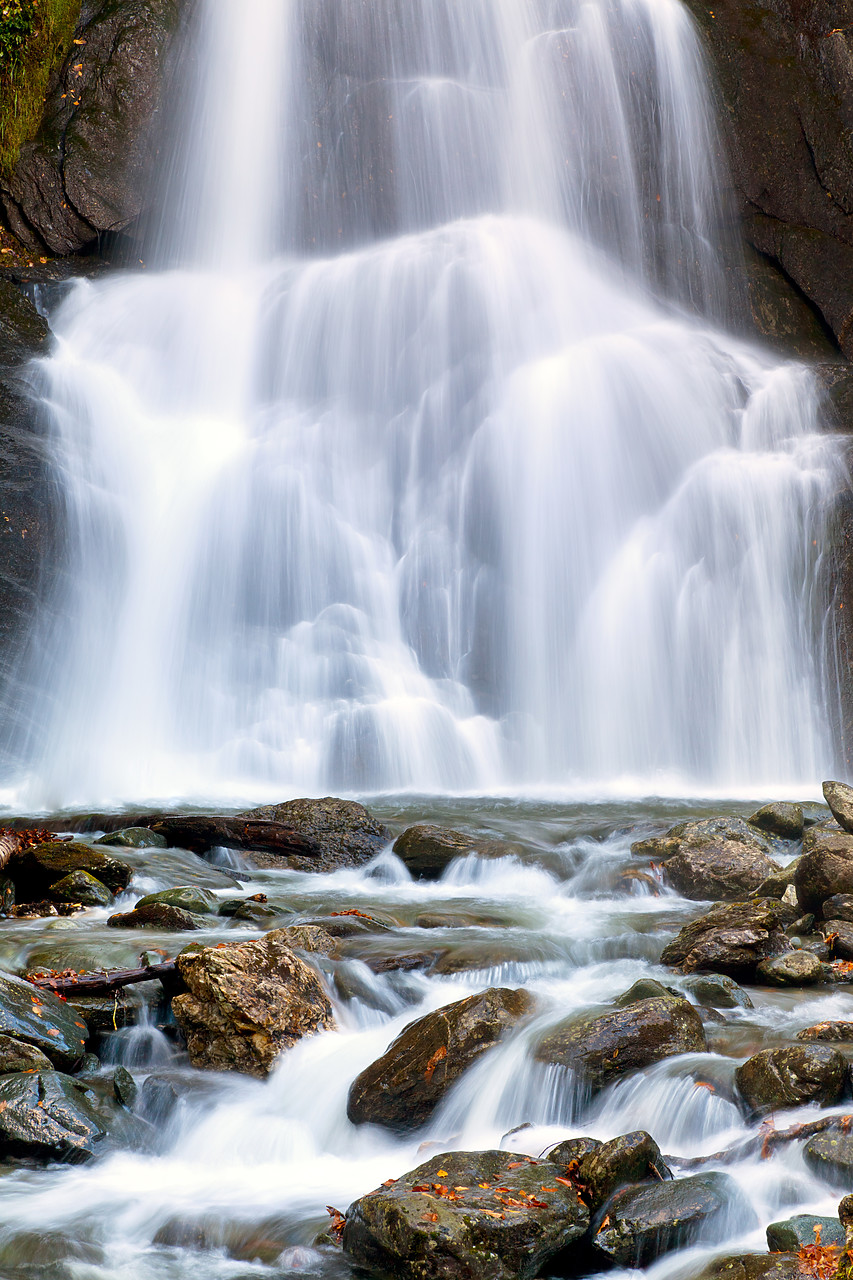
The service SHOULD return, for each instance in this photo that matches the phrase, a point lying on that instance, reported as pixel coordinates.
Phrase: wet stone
(600, 1049)
(830, 1156)
(156, 915)
(403, 1087)
(716, 991)
(36, 870)
(631, 1158)
(17, 1055)
(839, 938)
(428, 851)
(638, 1224)
(37, 1017)
(186, 897)
(465, 1230)
(643, 989)
(7, 895)
(839, 797)
(790, 1236)
(346, 833)
(134, 838)
(824, 870)
(48, 1116)
(839, 907)
(831, 1031)
(718, 870)
(784, 820)
(571, 1151)
(799, 968)
(792, 1076)
(82, 887)
(732, 938)
(753, 1266)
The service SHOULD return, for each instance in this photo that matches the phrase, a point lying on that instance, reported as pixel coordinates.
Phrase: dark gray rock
(638, 1224)
(753, 1266)
(631, 1158)
(790, 1236)
(158, 915)
(785, 820)
(830, 1155)
(200, 902)
(427, 851)
(89, 168)
(347, 834)
(17, 1055)
(46, 1115)
(792, 1076)
(600, 1049)
(403, 1087)
(643, 989)
(716, 991)
(81, 886)
(800, 968)
(839, 907)
(825, 869)
(571, 1152)
(408, 1230)
(134, 838)
(36, 870)
(35, 1016)
(732, 938)
(828, 1031)
(839, 797)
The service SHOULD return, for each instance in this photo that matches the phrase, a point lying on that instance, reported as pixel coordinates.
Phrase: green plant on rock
(35, 35)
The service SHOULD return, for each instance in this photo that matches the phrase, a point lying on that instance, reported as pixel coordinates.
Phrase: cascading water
(402, 475)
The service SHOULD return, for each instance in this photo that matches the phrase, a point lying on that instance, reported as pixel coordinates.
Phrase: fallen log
(199, 834)
(762, 1143)
(95, 984)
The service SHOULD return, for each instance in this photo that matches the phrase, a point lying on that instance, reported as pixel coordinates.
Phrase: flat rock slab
(46, 1115)
(486, 1215)
(247, 1003)
(37, 1017)
(402, 1088)
(639, 1223)
(754, 1266)
(601, 1049)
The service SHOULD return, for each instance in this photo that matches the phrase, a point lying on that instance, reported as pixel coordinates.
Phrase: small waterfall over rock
(424, 461)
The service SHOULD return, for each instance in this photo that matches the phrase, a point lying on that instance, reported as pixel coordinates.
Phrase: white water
(427, 466)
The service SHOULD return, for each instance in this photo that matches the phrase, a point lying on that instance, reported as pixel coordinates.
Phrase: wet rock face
(82, 887)
(403, 1087)
(825, 869)
(639, 1223)
(716, 991)
(789, 1077)
(839, 907)
(200, 902)
(785, 820)
(40, 1019)
(839, 797)
(450, 1219)
(48, 1116)
(36, 870)
(158, 915)
(718, 870)
(247, 1003)
(753, 1266)
(794, 969)
(830, 1156)
(17, 1055)
(427, 851)
(133, 838)
(631, 1158)
(701, 832)
(832, 1031)
(89, 168)
(732, 938)
(603, 1048)
(790, 1236)
(347, 834)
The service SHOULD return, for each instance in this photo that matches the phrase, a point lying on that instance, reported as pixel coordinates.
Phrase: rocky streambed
(462, 1039)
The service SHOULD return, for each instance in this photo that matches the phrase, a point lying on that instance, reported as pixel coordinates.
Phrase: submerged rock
(718, 870)
(247, 1003)
(716, 991)
(487, 1215)
(403, 1087)
(134, 838)
(599, 1049)
(35, 1016)
(631, 1158)
(45, 1115)
(793, 969)
(158, 915)
(638, 1224)
(82, 887)
(792, 1076)
(732, 938)
(790, 1236)
(346, 833)
(784, 820)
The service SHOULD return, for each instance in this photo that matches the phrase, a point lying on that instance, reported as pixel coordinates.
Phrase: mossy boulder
(732, 938)
(830, 1155)
(36, 870)
(24, 334)
(631, 1158)
(156, 915)
(401, 1089)
(82, 887)
(799, 968)
(790, 1235)
(200, 902)
(485, 1215)
(780, 819)
(134, 838)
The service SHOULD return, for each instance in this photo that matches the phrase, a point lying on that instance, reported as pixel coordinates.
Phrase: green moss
(35, 36)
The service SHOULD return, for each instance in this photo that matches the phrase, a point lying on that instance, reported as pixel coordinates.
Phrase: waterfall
(419, 456)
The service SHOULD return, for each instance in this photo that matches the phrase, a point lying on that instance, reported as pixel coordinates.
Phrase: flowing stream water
(418, 457)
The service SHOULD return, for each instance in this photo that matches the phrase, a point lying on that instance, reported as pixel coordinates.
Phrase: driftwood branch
(762, 1143)
(10, 844)
(198, 834)
(93, 984)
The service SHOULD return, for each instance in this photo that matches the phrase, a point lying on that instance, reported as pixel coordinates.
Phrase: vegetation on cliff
(35, 35)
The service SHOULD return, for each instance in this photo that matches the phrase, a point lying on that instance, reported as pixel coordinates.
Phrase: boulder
(35, 1016)
(790, 1236)
(839, 797)
(784, 820)
(428, 851)
(643, 989)
(828, 1031)
(791, 1076)
(793, 969)
(600, 1049)
(776, 885)
(718, 870)
(839, 907)
(247, 1003)
(753, 1266)
(830, 1155)
(134, 838)
(82, 887)
(732, 938)
(346, 834)
(45, 1115)
(838, 935)
(631, 1158)
(158, 915)
(88, 170)
(403, 1087)
(571, 1151)
(36, 870)
(825, 869)
(716, 991)
(638, 1224)
(486, 1215)
(700, 832)
(200, 902)
(17, 1055)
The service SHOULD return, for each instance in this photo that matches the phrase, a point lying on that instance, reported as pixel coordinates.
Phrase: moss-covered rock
(36, 870)
(200, 902)
(83, 887)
